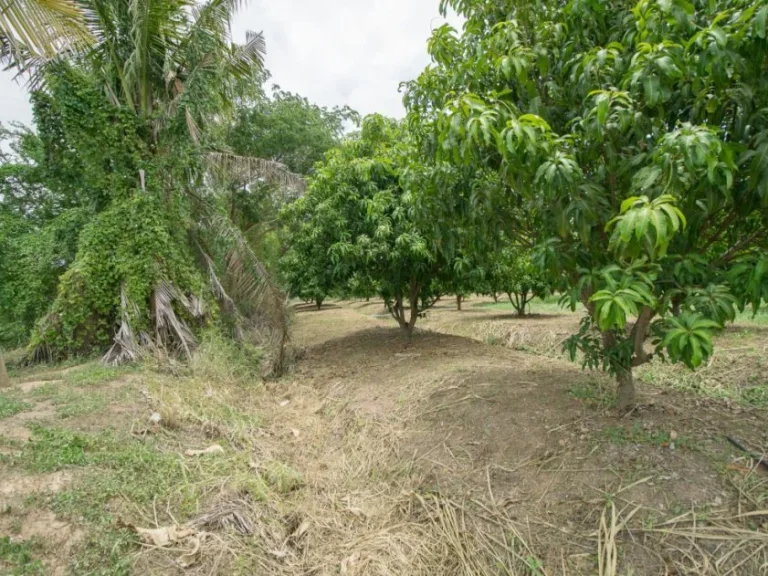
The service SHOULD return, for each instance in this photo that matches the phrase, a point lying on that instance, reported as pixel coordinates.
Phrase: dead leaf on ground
(163, 536)
(215, 449)
(190, 558)
(301, 530)
(278, 553)
(349, 562)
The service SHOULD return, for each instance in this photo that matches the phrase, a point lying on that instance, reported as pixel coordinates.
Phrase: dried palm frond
(246, 290)
(234, 515)
(125, 347)
(169, 328)
(249, 169)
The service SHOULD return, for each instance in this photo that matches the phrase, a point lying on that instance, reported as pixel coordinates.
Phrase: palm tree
(173, 64)
(40, 28)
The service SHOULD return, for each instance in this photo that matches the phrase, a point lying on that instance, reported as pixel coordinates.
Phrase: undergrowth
(10, 406)
(19, 558)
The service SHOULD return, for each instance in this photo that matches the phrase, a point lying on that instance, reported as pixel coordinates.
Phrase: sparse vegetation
(10, 406)
(319, 474)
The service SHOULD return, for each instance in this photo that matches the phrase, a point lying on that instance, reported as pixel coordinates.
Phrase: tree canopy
(356, 225)
(632, 141)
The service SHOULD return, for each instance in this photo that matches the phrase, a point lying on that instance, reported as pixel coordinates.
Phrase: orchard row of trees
(613, 150)
(363, 229)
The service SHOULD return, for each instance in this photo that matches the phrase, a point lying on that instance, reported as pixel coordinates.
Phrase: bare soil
(445, 454)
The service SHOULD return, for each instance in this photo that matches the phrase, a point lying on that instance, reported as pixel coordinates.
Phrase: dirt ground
(473, 448)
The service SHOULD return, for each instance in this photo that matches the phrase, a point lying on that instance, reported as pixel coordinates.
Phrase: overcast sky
(334, 52)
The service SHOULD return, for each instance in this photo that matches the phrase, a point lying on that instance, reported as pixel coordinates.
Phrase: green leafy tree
(284, 128)
(513, 272)
(356, 223)
(632, 142)
(289, 129)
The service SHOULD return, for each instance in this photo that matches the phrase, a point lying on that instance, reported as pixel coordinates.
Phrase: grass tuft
(18, 558)
(10, 406)
(281, 477)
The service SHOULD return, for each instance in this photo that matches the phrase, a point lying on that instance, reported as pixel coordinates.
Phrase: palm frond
(126, 347)
(247, 60)
(249, 169)
(43, 28)
(247, 290)
(170, 329)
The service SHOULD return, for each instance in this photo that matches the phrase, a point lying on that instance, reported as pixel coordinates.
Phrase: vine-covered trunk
(459, 298)
(625, 395)
(5, 381)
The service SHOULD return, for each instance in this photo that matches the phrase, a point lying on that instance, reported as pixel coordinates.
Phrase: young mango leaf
(617, 302)
(646, 225)
(688, 338)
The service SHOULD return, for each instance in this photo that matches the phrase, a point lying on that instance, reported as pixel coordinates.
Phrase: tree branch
(639, 334)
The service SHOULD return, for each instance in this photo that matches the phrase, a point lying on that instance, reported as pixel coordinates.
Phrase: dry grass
(340, 470)
(737, 371)
(347, 503)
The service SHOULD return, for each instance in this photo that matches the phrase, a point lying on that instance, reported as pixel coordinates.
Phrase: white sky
(334, 52)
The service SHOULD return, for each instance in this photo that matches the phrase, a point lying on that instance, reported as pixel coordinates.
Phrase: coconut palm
(173, 64)
(33, 29)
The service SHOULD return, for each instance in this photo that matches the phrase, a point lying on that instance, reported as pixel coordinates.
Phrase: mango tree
(633, 142)
(513, 272)
(357, 220)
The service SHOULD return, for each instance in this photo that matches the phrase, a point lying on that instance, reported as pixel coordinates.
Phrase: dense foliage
(355, 227)
(135, 216)
(632, 139)
(513, 273)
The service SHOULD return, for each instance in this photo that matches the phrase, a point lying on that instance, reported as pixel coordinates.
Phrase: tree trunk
(458, 302)
(625, 395)
(413, 299)
(676, 302)
(319, 304)
(5, 381)
(495, 298)
(523, 304)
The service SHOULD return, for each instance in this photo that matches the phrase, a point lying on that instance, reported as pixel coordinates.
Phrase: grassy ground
(376, 455)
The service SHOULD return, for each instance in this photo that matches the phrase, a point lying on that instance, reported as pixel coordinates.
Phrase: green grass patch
(95, 374)
(548, 305)
(18, 558)
(749, 317)
(73, 400)
(281, 477)
(593, 394)
(639, 435)
(756, 396)
(113, 468)
(10, 406)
